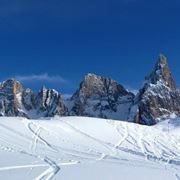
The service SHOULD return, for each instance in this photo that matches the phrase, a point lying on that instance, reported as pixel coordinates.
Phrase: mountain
(15, 100)
(101, 97)
(10, 98)
(50, 103)
(159, 97)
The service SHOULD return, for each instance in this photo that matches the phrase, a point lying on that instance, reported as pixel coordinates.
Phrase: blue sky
(57, 42)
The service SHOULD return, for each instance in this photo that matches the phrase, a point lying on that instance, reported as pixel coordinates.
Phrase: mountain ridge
(100, 97)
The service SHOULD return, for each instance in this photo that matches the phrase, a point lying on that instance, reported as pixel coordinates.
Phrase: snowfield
(79, 148)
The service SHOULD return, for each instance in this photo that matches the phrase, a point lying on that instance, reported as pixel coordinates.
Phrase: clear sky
(57, 42)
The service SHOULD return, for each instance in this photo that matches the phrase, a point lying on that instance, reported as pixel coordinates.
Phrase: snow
(97, 108)
(78, 148)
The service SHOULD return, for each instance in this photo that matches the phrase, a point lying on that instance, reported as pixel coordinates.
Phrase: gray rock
(101, 97)
(159, 97)
(98, 97)
(15, 100)
(50, 103)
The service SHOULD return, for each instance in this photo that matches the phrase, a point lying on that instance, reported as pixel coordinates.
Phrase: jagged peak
(162, 73)
(91, 81)
(47, 92)
(11, 81)
(91, 76)
(94, 77)
(43, 88)
(95, 85)
(12, 84)
(162, 61)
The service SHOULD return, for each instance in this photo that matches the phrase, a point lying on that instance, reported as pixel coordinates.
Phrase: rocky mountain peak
(12, 85)
(103, 97)
(18, 101)
(94, 85)
(98, 96)
(10, 98)
(43, 88)
(49, 103)
(44, 92)
(159, 97)
(91, 76)
(91, 84)
(162, 74)
(162, 60)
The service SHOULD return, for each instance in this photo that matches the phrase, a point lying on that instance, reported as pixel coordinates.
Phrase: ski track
(34, 166)
(36, 134)
(58, 149)
(34, 143)
(53, 167)
(51, 171)
(123, 138)
(144, 152)
(153, 151)
(149, 156)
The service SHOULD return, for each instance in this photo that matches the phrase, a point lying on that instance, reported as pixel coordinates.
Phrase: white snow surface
(80, 148)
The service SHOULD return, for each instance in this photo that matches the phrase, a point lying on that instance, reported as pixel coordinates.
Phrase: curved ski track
(55, 151)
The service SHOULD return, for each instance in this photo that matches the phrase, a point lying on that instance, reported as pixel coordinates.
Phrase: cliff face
(18, 101)
(10, 92)
(98, 97)
(50, 103)
(101, 97)
(159, 96)
(162, 73)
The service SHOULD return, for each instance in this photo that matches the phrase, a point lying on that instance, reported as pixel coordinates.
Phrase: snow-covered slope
(78, 148)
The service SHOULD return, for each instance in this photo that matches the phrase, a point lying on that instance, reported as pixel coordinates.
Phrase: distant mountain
(159, 97)
(15, 100)
(101, 97)
(98, 97)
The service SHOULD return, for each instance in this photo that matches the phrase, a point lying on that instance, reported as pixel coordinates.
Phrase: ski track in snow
(53, 167)
(59, 149)
(143, 149)
(132, 143)
(124, 137)
(36, 134)
(34, 166)
(51, 171)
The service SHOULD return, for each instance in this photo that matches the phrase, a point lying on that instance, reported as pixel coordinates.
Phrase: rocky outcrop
(98, 97)
(18, 101)
(10, 98)
(159, 97)
(50, 103)
(162, 73)
(101, 97)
